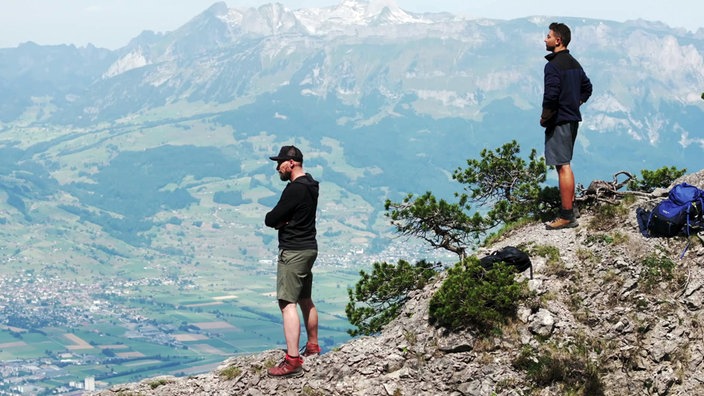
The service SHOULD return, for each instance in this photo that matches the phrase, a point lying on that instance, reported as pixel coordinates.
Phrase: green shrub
(500, 188)
(472, 297)
(159, 382)
(550, 252)
(657, 268)
(608, 216)
(554, 266)
(378, 297)
(503, 182)
(599, 238)
(660, 178)
(586, 255)
(230, 373)
(549, 200)
(573, 370)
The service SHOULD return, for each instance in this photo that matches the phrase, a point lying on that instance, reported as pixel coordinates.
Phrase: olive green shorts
(294, 279)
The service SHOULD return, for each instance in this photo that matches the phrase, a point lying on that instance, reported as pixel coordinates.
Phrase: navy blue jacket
(294, 214)
(566, 88)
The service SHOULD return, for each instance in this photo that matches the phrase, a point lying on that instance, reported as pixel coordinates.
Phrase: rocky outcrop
(609, 295)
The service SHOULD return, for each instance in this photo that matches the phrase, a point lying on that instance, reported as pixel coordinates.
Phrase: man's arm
(586, 88)
(283, 211)
(551, 95)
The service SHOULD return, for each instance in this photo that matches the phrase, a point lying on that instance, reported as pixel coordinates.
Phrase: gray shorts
(559, 143)
(294, 279)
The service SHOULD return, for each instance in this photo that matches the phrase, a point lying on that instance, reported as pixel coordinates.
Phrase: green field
(179, 331)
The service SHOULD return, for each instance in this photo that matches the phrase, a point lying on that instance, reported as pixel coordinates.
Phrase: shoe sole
(292, 375)
(568, 225)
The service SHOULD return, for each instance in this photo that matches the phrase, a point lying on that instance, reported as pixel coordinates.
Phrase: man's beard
(549, 48)
(285, 176)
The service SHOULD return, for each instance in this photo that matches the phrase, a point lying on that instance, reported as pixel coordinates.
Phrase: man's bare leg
(565, 178)
(310, 319)
(292, 326)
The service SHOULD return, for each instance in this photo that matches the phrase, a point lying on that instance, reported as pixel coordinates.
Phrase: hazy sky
(112, 23)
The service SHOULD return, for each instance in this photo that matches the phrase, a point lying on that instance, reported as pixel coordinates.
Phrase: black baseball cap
(288, 153)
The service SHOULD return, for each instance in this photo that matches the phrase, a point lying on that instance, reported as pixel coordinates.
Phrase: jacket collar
(552, 55)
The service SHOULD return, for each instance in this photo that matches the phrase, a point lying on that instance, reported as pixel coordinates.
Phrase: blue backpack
(680, 212)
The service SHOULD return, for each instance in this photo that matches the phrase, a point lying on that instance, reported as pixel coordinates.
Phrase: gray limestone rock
(599, 305)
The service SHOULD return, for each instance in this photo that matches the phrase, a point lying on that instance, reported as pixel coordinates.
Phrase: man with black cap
(294, 218)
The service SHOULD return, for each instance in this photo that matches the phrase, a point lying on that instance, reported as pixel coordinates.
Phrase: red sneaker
(311, 349)
(290, 367)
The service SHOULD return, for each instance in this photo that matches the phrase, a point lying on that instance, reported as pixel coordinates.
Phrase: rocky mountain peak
(601, 316)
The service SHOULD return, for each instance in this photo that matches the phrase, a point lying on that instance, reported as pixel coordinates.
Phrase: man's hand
(546, 116)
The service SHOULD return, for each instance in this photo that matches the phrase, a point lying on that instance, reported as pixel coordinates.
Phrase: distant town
(65, 337)
(31, 302)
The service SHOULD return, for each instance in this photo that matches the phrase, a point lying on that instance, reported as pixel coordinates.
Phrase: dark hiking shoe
(311, 349)
(561, 223)
(290, 367)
